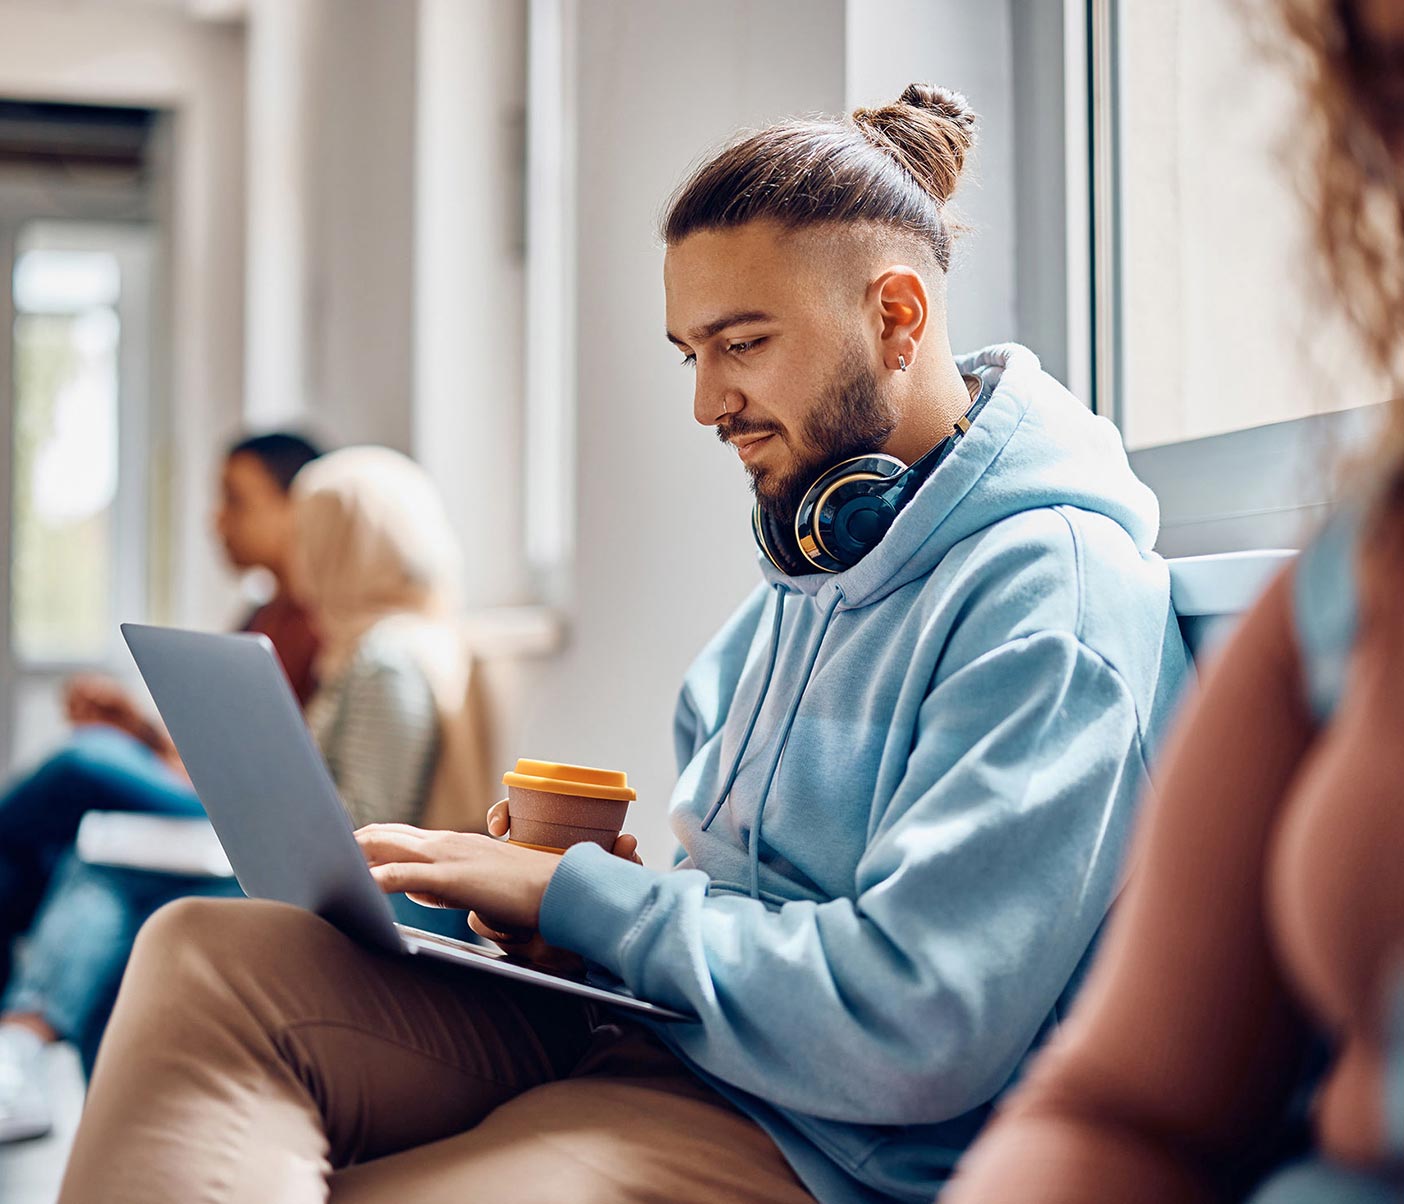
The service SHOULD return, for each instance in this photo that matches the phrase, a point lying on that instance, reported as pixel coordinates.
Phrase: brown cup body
(558, 821)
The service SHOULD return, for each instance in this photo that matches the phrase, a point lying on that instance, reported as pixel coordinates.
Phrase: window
(76, 408)
(65, 355)
(1215, 324)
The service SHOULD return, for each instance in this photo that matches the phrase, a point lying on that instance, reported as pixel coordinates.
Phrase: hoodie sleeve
(980, 888)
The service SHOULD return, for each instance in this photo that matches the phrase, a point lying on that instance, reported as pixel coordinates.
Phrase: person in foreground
(905, 787)
(1265, 921)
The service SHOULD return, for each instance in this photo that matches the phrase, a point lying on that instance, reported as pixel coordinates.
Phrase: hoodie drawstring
(755, 711)
(754, 843)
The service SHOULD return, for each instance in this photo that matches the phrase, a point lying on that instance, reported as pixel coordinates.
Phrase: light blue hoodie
(937, 756)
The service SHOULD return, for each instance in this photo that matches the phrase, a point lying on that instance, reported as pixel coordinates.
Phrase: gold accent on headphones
(818, 509)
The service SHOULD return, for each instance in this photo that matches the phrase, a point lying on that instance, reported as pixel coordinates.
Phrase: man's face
(254, 519)
(784, 352)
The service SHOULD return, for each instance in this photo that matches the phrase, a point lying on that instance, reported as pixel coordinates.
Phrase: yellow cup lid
(579, 780)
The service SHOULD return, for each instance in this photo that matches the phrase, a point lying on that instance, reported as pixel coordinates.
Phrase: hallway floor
(30, 1171)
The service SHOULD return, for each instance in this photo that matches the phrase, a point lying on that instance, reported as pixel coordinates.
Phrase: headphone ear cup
(806, 539)
(856, 524)
(844, 515)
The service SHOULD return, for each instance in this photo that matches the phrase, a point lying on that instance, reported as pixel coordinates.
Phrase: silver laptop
(268, 792)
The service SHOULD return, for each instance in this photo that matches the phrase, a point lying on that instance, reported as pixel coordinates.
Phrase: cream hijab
(374, 546)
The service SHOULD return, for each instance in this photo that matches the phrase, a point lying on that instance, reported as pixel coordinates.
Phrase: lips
(750, 445)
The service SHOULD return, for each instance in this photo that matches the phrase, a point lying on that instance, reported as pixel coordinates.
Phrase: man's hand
(501, 884)
(527, 943)
(92, 698)
(460, 869)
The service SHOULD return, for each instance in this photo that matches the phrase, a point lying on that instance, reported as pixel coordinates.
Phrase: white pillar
(282, 46)
(470, 280)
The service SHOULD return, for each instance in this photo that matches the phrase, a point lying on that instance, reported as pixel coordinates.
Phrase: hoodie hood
(1050, 450)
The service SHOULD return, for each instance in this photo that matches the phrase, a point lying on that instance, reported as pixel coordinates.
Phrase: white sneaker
(24, 1099)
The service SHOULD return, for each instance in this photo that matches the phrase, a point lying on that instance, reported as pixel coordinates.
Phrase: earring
(901, 363)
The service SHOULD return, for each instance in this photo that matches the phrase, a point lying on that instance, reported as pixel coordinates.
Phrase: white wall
(663, 542)
(1052, 277)
(360, 371)
(284, 37)
(472, 335)
(331, 218)
(968, 47)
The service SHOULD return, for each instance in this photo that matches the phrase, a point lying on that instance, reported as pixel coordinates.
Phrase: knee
(85, 759)
(184, 922)
(208, 939)
(177, 935)
(68, 764)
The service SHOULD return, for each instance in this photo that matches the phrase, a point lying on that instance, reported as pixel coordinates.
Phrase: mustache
(744, 426)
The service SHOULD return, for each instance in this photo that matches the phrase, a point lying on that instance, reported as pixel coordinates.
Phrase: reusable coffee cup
(554, 806)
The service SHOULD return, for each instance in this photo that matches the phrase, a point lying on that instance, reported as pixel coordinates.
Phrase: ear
(904, 308)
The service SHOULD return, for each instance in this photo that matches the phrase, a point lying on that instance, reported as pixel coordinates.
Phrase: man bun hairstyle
(896, 166)
(929, 131)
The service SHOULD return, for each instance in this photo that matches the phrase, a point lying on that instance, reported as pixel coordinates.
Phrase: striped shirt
(377, 727)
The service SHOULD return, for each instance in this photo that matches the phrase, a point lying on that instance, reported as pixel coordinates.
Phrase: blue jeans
(77, 949)
(81, 939)
(100, 769)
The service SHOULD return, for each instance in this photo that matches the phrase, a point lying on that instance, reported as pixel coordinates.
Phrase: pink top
(286, 623)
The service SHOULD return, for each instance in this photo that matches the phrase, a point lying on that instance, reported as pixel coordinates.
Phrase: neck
(280, 579)
(929, 405)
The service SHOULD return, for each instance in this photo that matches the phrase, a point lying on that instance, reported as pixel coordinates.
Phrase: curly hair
(1352, 122)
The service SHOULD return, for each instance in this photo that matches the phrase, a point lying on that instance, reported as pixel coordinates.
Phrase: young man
(907, 769)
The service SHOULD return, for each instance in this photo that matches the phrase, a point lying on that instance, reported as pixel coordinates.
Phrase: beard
(852, 418)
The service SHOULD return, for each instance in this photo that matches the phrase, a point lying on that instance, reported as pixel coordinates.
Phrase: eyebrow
(715, 327)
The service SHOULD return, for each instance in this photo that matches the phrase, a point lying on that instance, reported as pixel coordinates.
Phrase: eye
(689, 360)
(743, 347)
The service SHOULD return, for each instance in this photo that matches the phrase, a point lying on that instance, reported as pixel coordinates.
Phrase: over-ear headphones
(849, 508)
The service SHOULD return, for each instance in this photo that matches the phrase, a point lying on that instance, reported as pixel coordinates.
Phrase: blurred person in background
(396, 714)
(397, 711)
(1258, 953)
(121, 759)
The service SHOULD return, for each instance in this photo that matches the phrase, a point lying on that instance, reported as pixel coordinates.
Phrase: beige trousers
(258, 1056)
